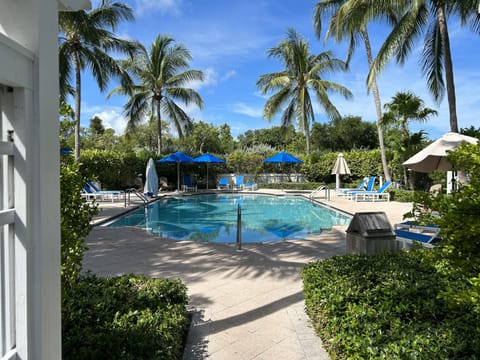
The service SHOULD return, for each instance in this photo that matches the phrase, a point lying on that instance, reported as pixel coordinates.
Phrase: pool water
(213, 218)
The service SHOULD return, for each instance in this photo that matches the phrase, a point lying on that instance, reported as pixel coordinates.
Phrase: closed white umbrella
(340, 168)
(434, 156)
(151, 179)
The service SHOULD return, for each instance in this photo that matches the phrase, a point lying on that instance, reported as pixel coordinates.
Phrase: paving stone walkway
(245, 305)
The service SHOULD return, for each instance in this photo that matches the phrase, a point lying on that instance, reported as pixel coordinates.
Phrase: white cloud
(112, 119)
(111, 116)
(171, 7)
(229, 74)
(244, 109)
(210, 78)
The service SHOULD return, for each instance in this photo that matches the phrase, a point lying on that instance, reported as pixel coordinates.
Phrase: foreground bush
(127, 317)
(392, 306)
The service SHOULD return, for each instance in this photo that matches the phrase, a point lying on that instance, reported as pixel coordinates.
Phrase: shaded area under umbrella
(434, 156)
(151, 179)
(177, 158)
(340, 168)
(208, 159)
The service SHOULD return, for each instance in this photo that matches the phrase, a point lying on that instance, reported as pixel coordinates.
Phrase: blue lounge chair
(238, 185)
(371, 182)
(360, 186)
(104, 194)
(426, 235)
(187, 184)
(250, 186)
(88, 194)
(223, 184)
(374, 195)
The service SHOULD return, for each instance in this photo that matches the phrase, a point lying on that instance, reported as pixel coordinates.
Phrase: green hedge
(391, 306)
(119, 171)
(401, 195)
(318, 166)
(127, 317)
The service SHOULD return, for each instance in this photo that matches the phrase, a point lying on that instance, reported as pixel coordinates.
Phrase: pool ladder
(239, 228)
(318, 190)
(135, 192)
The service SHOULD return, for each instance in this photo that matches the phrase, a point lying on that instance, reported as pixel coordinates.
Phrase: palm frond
(433, 64)
(186, 95)
(137, 108)
(180, 119)
(275, 102)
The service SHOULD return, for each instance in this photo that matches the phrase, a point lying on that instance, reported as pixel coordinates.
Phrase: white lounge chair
(380, 194)
(409, 233)
(238, 185)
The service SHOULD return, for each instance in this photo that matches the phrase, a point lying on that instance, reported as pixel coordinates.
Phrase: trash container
(370, 233)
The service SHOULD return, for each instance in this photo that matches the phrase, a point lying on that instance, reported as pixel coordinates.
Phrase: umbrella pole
(207, 176)
(337, 181)
(178, 176)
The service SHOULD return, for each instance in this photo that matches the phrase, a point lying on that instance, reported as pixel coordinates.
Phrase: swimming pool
(213, 218)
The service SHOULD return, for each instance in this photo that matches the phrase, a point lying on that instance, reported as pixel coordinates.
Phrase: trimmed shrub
(318, 166)
(401, 195)
(75, 217)
(390, 306)
(114, 170)
(126, 317)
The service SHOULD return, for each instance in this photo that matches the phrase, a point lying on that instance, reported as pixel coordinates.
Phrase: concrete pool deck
(245, 305)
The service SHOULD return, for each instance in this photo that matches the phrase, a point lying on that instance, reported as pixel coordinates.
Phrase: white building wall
(32, 24)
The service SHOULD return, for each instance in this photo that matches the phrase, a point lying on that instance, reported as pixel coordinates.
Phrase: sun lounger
(103, 194)
(164, 185)
(223, 184)
(87, 194)
(187, 184)
(250, 186)
(380, 194)
(409, 233)
(350, 194)
(238, 185)
(344, 191)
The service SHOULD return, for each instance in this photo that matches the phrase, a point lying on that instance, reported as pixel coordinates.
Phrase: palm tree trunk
(378, 106)
(78, 98)
(159, 128)
(307, 136)
(452, 102)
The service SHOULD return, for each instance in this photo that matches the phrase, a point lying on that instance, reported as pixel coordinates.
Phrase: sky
(229, 40)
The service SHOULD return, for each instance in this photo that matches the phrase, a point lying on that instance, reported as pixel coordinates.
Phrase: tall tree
(428, 17)
(163, 75)
(404, 108)
(349, 19)
(292, 85)
(85, 39)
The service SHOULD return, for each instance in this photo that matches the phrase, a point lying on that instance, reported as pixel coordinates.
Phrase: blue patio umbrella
(283, 158)
(177, 158)
(208, 159)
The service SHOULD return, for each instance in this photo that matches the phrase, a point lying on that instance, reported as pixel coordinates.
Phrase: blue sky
(229, 41)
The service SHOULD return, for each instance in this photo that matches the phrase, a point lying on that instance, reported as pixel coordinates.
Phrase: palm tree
(163, 74)
(404, 108)
(85, 42)
(302, 74)
(350, 19)
(430, 18)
